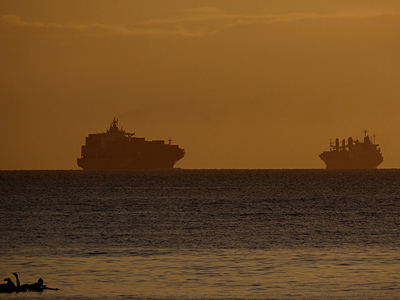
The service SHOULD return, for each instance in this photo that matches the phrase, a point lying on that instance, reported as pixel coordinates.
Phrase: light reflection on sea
(245, 274)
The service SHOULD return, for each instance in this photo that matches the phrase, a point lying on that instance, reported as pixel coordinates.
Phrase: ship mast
(114, 125)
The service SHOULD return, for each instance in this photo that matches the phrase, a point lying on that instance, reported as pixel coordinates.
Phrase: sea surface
(202, 234)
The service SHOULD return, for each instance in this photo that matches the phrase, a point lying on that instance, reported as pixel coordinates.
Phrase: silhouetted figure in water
(8, 287)
(36, 287)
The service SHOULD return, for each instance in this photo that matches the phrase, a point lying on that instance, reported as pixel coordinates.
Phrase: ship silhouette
(354, 155)
(120, 150)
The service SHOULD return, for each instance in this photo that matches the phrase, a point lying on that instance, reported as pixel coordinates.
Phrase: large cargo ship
(354, 155)
(120, 150)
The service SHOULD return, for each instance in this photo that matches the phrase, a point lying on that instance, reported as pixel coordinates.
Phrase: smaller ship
(120, 150)
(354, 155)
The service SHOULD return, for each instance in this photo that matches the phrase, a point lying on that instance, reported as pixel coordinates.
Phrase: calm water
(203, 234)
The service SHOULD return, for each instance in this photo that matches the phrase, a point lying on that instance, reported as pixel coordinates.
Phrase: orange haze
(237, 84)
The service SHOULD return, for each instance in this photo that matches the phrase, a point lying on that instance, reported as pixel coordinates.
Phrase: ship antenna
(114, 125)
(365, 132)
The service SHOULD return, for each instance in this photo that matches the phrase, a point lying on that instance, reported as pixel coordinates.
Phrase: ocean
(202, 234)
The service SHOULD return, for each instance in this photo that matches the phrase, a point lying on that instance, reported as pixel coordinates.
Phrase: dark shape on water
(37, 287)
(34, 287)
(8, 287)
(120, 150)
(354, 155)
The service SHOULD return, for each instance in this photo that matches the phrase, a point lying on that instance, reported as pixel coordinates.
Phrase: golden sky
(237, 84)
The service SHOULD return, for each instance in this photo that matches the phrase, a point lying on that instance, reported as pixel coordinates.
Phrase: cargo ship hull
(125, 163)
(118, 150)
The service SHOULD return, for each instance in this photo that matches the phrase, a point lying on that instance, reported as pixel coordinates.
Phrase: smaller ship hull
(346, 163)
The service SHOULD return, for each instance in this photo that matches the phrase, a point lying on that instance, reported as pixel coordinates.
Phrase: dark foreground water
(203, 234)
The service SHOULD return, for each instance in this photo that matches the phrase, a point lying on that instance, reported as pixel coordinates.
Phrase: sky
(253, 84)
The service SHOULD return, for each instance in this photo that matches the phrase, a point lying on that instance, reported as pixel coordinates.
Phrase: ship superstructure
(120, 150)
(354, 154)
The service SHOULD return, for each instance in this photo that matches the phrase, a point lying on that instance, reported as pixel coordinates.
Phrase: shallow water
(339, 274)
(204, 234)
